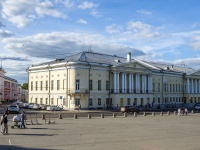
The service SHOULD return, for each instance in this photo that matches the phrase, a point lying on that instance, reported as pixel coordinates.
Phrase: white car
(13, 109)
(36, 107)
(197, 107)
(54, 108)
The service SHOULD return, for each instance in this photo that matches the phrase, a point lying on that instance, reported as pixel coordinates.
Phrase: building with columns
(97, 80)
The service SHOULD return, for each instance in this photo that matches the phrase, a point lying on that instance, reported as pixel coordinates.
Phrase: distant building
(97, 80)
(9, 88)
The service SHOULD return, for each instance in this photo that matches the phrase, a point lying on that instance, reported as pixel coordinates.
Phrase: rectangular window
(176, 88)
(107, 85)
(36, 85)
(99, 101)
(65, 102)
(64, 84)
(99, 85)
(46, 101)
(165, 87)
(58, 84)
(77, 102)
(46, 85)
(31, 85)
(158, 87)
(154, 87)
(173, 88)
(52, 85)
(90, 102)
(90, 84)
(77, 84)
(41, 85)
(36, 100)
(170, 87)
(128, 101)
(158, 99)
(107, 101)
(52, 101)
(154, 100)
(41, 101)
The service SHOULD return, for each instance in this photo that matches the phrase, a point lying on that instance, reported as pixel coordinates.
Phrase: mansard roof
(113, 60)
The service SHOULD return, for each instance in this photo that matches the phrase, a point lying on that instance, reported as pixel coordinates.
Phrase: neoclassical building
(96, 80)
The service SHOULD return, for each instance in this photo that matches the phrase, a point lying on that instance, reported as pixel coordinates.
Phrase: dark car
(130, 109)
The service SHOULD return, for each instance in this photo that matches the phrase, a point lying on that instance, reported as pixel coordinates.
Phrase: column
(192, 86)
(199, 86)
(132, 76)
(122, 82)
(196, 82)
(138, 83)
(117, 82)
(188, 85)
(125, 83)
(145, 83)
(130, 83)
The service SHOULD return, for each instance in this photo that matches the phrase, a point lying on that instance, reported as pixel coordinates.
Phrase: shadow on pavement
(33, 134)
(11, 147)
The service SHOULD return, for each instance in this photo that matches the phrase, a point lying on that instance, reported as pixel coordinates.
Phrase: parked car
(54, 108)
(43, 107)
(197, 106)
(130, 109)
(26, 105)
(30, 106)
(0, 103)
(36, 107)
(13, 109)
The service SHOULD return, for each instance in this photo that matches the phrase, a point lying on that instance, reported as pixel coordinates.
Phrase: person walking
(22, 119)
(79, 107)
(4, 124)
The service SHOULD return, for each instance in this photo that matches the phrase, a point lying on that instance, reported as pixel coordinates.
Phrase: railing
(78, 91)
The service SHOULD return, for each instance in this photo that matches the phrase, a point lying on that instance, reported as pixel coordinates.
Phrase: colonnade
(132, 83)
(193, 86)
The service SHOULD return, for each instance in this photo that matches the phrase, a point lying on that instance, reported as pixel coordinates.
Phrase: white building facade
(97, 80)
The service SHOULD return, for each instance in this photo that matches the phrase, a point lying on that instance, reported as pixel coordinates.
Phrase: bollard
(43, 117)
(168, 113)
(175, 113)
(161, 113)
(125, 114)
(60, 116)
(153, 113)
(114, 115)
(144, 114)
(75, 116)
(192, 111)
(102, 115)
(89, 116)
(135, 114)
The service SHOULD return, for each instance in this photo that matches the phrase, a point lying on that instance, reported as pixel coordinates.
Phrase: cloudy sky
(34, 31)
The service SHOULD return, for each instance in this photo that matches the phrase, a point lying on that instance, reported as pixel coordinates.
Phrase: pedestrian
(179, 111)
(4, 124)
(186, 111)
(79, 107)
(7, 112)
(22, 119)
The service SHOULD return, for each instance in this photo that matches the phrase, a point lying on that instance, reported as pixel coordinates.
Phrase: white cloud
(95, 13)
(24, 12)
(57, 43)
(142, 30)
(145, 12)
(82, 21)
(87, 5)
(195, 44)
(113, 28)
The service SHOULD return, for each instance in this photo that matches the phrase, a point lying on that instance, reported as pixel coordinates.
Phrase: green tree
(25, 86)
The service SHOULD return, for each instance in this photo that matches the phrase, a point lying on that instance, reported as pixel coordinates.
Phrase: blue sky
(154, 30)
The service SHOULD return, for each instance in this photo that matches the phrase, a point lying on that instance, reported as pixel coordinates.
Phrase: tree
(25, 86)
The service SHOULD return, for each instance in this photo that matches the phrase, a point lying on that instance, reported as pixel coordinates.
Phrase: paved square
(138, 133)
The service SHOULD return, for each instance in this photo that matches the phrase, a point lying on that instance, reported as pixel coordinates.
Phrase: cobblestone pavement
(167, 132)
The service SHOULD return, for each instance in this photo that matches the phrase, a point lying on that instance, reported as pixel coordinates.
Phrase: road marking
(10, 142)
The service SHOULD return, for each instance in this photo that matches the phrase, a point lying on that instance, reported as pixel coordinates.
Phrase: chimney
(129, 57)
